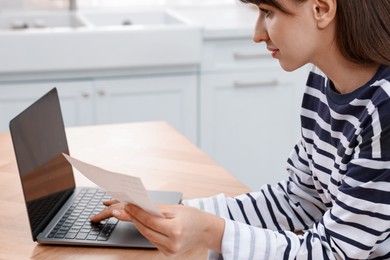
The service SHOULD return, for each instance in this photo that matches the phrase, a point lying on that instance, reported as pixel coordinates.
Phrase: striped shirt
(338, 187)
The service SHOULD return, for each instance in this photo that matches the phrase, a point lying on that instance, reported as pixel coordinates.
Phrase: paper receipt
(124, 188)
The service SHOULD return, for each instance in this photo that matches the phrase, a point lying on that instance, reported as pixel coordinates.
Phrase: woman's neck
(348, 78)
(346, 75)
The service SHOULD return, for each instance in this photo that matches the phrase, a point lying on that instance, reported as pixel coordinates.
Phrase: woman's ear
(324, 12)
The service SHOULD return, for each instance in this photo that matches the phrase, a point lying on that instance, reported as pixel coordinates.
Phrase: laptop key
(85, 230)
(100, 238)
(59, 235)
(71, 235)
(81, 236)
(112, 221)
(64, 230)
(92, 237)
(74, 229)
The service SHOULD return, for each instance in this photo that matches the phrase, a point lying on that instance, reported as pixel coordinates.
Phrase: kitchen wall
(6, 5)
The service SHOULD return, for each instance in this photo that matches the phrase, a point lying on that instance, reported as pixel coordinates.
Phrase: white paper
(124, 188)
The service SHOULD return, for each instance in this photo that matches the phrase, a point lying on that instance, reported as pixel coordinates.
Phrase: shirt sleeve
(242, 240)
(256, 222)
(267, 224)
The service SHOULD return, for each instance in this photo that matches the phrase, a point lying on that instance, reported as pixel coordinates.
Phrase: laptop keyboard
(75, 223)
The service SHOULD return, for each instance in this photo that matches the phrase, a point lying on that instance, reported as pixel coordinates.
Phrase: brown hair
(363, 28)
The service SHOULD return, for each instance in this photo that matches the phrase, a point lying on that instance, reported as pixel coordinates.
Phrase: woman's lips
(273, 51)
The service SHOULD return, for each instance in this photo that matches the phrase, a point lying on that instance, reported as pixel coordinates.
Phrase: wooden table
(154, 151)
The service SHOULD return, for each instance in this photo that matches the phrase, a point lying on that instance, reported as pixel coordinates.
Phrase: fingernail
(116, 212)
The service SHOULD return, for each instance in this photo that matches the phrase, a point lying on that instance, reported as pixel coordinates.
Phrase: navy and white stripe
(338, 189)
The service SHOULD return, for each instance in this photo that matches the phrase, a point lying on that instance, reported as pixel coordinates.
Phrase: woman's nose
(260, 34)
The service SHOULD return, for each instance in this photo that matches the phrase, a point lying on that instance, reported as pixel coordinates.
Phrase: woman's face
(293, 38)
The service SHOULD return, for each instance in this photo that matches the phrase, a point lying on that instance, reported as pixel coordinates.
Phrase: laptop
(58, 211)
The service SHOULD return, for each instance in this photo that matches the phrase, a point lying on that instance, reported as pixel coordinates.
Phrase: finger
(104, 214)
(168, 210)
(162, 242)
(153, 236)
(115, 212)
(108, 212)
(155, 223)
(110, 202)
(121, 215)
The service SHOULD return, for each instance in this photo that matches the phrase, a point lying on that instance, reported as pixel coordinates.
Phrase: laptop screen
(39, 139)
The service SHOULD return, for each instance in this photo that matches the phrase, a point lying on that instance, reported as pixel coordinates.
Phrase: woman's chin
(289, 67)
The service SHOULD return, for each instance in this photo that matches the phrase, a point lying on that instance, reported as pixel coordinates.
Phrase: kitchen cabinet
(112, 99)
(249, 108)
(129, 99)
(133, 76)
(76, 99)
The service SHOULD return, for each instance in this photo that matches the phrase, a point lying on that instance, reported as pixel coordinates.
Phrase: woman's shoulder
(382, 77)
(379, 87)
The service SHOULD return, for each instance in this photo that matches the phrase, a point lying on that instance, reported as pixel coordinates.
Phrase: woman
(336, 201)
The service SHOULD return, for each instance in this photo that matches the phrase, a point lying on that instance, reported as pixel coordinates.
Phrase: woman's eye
(265, 11)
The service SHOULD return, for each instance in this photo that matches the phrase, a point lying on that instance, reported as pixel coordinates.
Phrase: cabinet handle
(102, 92)
(250, 56)
(271, 83)
(86, 94)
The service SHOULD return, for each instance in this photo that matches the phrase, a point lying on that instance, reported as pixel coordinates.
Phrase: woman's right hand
(114, 209)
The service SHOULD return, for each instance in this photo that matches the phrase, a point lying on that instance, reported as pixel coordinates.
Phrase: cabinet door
(235, 54)
(75, 99)
(168, 98)
(249, 123)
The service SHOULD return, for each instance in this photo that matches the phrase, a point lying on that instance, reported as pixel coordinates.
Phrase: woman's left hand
(182, 229)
